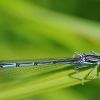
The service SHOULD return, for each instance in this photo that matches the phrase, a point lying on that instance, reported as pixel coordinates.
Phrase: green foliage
(30, 31)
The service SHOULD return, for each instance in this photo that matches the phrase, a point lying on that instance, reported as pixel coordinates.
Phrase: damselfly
(83, 59)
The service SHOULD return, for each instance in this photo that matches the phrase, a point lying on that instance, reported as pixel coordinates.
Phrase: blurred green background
(49, 28)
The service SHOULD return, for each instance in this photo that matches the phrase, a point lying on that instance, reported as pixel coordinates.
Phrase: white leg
(76, 69)
(89, 74)
(76, 53)
(95, 53)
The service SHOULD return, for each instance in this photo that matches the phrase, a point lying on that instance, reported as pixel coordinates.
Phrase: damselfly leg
(89, 74)
(93, 52)
(76, 53)
(76, 69)
(77, 72)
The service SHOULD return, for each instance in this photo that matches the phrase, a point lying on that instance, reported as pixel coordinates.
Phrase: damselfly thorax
(89, 59)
